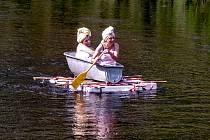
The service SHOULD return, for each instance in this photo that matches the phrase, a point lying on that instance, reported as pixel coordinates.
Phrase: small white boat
(105, 73)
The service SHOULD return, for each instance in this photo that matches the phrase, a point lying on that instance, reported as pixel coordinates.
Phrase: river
(161, 40)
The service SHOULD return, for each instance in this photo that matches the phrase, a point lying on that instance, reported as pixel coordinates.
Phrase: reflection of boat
(106, 73)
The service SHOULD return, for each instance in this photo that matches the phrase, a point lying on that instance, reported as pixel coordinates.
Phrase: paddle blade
(78, 80)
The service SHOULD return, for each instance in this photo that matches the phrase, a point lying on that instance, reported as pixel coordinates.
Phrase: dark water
(161, 40)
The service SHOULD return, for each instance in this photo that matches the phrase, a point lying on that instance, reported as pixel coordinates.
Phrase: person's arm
(97, 51)
(114, 53)
(83, 48)
(89, 50)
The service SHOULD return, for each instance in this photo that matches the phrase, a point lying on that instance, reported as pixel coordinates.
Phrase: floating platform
(127, 84)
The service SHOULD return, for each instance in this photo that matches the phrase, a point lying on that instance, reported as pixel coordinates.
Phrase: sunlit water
(161, 40)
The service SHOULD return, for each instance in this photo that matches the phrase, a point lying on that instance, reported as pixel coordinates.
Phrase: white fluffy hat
(108, 32)
(82, 33)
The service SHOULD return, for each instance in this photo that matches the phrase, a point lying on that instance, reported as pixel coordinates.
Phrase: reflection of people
(92, 117)
(84, 50)
(108, 46)
(80, 118)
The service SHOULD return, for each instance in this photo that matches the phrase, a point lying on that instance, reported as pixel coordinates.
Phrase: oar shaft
(81, 77)
(94, 62)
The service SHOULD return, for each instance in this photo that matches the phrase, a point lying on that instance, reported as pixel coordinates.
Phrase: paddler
(84, 50)
(108, 46)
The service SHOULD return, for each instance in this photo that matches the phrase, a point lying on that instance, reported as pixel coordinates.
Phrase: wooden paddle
(81, 77)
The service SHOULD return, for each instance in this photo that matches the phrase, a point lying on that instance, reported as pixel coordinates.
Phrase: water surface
(161, 40)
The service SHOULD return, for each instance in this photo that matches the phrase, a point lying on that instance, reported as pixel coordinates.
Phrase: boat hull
(112, 74)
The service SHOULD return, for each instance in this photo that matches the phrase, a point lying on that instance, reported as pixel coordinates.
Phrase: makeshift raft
(127, 84)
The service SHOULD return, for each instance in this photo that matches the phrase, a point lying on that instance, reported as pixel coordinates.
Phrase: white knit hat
(82, 33)
(108, 32)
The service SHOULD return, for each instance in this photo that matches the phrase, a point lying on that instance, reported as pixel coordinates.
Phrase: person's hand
(92, 59)
(106, 51)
